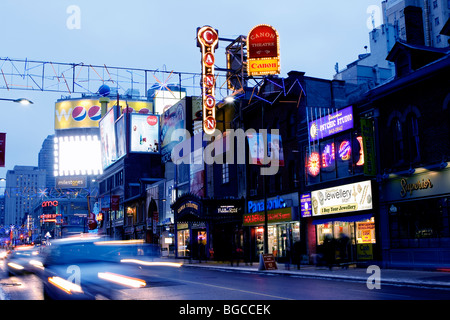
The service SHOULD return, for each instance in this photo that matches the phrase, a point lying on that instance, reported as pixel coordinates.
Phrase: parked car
(89, 268)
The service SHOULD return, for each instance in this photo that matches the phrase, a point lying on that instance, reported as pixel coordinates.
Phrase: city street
(187, 283)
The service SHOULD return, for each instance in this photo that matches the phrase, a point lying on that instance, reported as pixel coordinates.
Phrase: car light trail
(120, 279)
(65, 285)
(15, 266)
(152, 263)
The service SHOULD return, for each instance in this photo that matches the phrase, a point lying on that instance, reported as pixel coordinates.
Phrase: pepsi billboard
(86, 113)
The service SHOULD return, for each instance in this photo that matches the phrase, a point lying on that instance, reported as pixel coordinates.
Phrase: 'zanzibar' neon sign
(207, 40)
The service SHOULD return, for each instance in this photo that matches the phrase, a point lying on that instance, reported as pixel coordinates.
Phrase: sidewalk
(417, 278)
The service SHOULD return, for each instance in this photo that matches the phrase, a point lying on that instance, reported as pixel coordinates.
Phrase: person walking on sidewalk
(329, 251)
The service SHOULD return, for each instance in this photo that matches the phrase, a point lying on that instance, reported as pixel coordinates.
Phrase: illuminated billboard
(258, 151)
(77, 155)
(86, 113)
(172, 119)
(263, 51)
(108, 139)
(144, 136)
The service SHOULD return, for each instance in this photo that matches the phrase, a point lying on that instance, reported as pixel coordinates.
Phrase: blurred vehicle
(3, 253)
(23, 259)
(90, 268)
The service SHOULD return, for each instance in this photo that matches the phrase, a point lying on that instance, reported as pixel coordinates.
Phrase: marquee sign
(263, 51)
(207, 40)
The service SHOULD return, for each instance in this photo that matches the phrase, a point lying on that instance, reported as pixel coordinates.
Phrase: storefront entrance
(353, 240)
(281, 240)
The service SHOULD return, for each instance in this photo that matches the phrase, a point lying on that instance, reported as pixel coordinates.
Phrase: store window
(358, 233)
(281, 238)
(183, 243)
(420, 224)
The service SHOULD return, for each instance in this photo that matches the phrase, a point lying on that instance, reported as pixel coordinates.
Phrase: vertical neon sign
(207, 40)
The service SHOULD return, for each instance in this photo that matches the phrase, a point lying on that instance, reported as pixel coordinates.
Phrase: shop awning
(360, 217)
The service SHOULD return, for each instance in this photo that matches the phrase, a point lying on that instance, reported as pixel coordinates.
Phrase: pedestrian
(329, 251)
(287, 264)
(344, 241)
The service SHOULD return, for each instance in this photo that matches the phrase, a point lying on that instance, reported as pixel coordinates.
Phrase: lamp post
(22, 101)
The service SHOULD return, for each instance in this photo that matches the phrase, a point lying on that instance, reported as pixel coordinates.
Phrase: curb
(328, 276)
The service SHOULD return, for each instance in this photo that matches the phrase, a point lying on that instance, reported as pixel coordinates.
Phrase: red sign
(115, 203)
(2, 148)
(152, 120)
(262, 42)
(50, 203)
(207, 40)
(263, 51)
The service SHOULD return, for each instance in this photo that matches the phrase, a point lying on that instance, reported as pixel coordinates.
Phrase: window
(412, 134)
(438, 38)
(420, 224)
(436, 21)
(225, 173)
(435, 4)
(397, 140)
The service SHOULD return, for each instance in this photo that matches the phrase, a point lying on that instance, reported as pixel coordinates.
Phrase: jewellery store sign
(344, 198)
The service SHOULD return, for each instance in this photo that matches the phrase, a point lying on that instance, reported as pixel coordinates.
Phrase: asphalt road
(187, 284)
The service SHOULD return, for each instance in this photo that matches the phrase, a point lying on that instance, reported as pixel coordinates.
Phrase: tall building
(46, 161)
(430, 19)
(22, 186)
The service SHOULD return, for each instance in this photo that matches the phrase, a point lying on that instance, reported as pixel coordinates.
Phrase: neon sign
(50, 204)
(345, 150)
(328, 156)
(263, 51)
(207, 40)
(314, 164)
(361, 152)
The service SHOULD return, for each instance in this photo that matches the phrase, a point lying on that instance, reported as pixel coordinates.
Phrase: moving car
(90, 268)
(23, 259)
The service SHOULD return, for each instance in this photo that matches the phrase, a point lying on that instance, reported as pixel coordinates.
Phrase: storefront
(283, 227)
(416, 212)
(207, 228)
(344, 214)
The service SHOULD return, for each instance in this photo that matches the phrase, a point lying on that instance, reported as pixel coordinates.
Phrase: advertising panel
(86, 113)
(331, 124)
(108, 138)
(144, 136)
(121, 137)
(172, 119)
(258, 149)
(263, 51)
(345, 198)
(77, 155)
(305, 205)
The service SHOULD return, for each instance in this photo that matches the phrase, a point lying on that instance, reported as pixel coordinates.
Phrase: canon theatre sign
(207, 40)
(263, 51)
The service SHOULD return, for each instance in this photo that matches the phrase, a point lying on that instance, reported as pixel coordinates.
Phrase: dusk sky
(314, 36)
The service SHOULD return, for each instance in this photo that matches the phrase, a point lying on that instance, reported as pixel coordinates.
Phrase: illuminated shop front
(283, 226)
(344, 213)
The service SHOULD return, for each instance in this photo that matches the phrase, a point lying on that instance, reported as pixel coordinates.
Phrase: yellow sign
(263, 66)
(86, 113)
(364, 251)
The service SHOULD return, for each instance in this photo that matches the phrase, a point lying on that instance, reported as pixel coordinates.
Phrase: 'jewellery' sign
(331, 124)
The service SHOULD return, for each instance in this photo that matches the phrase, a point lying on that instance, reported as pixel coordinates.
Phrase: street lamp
(22, 101)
